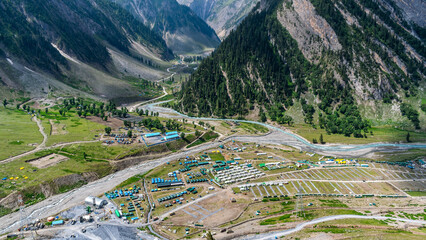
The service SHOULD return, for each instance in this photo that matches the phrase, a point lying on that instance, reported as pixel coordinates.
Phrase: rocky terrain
(222, 15)
(76, 47)
(181, 28)
(324, 59)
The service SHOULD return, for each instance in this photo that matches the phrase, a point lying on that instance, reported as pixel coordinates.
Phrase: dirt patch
(213, 211)
(48, 160)
(113, 123)
(58, 128)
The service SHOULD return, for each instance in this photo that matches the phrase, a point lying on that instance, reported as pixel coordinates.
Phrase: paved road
(58, 203)
(281, 136)
(150, 212)
(61, 202)
(273, 235)
(180, 207)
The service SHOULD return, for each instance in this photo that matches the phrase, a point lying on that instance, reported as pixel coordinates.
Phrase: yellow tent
(22, 168)
(26, 177)
(11, 178)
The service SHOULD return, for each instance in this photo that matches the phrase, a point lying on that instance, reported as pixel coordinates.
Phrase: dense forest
(259, 67)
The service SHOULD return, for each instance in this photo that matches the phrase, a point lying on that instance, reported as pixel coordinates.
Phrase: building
(95, 201)
(148, 135)
(171, 137)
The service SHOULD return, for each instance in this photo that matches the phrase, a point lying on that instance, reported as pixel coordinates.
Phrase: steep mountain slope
(222, 15)
(327, 56)
(182, 29)
(75, 42)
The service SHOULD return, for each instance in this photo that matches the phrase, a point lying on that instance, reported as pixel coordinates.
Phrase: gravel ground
(61, 202)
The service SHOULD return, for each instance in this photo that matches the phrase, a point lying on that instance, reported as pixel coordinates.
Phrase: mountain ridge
(179, 26)
(278, 56)
(222, 15)
(76, 43)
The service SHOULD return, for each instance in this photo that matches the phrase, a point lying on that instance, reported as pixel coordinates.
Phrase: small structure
(95, 201)
(171, 137)
(148, 135)
(58, 222)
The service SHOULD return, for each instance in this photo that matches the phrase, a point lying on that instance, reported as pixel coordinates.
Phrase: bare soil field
(58, 128)
(213, 211)
(49, 160)
(114, 123)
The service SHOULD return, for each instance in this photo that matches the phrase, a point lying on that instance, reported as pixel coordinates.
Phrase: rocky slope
(325, 58)
(222, 15)
(181, 28)
(76, 46)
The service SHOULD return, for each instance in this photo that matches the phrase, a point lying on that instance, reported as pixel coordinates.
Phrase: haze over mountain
(181, 28)
(221, 15)
(332, 63)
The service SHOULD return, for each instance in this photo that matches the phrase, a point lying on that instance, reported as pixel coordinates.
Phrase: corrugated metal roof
(171, 133)
(152, 134)
(172, 136)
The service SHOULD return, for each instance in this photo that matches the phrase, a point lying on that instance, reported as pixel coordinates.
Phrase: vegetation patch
(18, 134)
(205, 138)
(416, 193)
(332, 203)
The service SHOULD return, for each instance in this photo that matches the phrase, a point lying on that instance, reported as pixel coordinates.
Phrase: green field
(16, 132)
(75, 164)
(380, 134)
(205, 138)
(98, 151)
(70, 128)
(417, 193)
(253, 128)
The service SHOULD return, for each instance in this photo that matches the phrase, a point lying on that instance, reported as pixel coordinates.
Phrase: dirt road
(275, 235)
(61, 202)
(41, 146)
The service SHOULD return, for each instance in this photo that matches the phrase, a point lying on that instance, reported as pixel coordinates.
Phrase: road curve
(291, 139)
(278, 234)
(41, 146)
(61, 202)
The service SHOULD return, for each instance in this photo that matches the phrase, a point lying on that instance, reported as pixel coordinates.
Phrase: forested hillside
(327, 56)
(78, 26)
(42, 37)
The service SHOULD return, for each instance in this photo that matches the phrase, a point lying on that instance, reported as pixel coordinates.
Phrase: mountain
(77, 45)
(222, 15)
(336, 64)
(180, 27)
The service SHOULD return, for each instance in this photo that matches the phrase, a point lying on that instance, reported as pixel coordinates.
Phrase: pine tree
(209, 236)
(321, 139)
(408, 137)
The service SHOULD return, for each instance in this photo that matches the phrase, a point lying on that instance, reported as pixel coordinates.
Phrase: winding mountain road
(279, 234)
(61, 202)
(280, 136)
